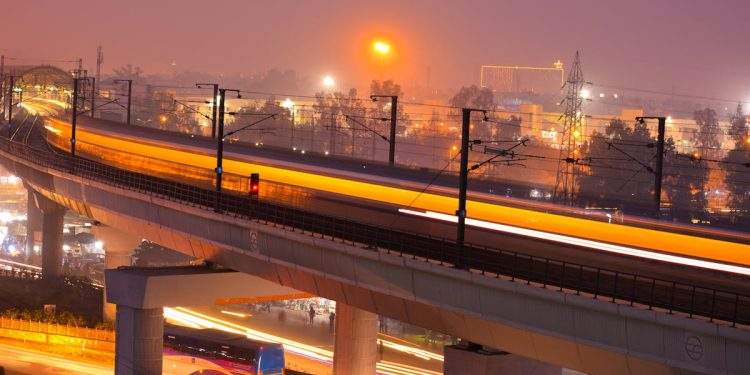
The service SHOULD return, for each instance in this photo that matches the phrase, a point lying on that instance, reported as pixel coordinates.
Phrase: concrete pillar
(53, 216)
(355, 347)
(33, 225)
(118, 251)
(466, 358)
(139, 340)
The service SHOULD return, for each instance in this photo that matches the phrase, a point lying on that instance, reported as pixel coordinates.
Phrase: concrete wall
(561, 328)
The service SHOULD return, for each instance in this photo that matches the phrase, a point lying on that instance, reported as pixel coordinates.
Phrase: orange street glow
(381, 47)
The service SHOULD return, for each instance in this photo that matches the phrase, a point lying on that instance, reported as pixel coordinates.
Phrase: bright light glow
(329, 82)
(232, 313)
(12, 250)
(381, 47)
(163, 119)
(585, 93)
(99, 245)
(199, 320)
(24, 265)
(585, 243)
(66, 247)
(287, 103)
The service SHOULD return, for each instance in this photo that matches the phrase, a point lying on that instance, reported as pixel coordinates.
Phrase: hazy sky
(697, 46)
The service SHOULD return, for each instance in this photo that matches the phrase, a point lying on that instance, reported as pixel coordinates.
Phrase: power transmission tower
(572, 130)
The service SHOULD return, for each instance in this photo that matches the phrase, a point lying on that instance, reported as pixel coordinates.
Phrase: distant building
(541, 80)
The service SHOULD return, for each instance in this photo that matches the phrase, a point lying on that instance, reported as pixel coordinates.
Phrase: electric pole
(213, 104)
(572, 129)
(2, 77)
(74, 117)
(332, 140)
(130, 95)
(392, 136)
(220, 139)
(93, 95)
(11, 86)
(463, 184)
(658, 171)
(98, 77)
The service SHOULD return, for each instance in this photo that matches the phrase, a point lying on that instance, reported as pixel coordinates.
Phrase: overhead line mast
(565, 182)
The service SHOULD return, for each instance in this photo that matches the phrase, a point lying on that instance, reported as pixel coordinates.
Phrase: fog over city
(694, 47)
(392, 187)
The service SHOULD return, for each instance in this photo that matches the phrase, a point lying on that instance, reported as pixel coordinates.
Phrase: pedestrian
(331, 319)
(312, 314)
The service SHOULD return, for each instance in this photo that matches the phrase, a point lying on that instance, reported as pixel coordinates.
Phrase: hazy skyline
(697, 47)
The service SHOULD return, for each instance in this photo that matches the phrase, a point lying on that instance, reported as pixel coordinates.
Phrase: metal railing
(598, 283)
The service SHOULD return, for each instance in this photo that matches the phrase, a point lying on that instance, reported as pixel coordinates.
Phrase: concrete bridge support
(119, 248)
(53, 216)
(466, 358)
(141, 294)
(33, 225)
(355, 345)
(139, 340)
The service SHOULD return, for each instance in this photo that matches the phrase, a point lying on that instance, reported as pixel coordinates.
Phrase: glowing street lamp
(381, 48)
(329, 82)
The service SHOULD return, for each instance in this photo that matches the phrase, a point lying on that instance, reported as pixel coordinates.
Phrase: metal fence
(597, 282)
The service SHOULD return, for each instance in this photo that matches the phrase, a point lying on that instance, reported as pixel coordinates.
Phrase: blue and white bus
(208, 351)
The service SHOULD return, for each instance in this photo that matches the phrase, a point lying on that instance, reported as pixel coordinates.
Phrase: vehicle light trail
(198, 320)
(596, 245)
(24, 265)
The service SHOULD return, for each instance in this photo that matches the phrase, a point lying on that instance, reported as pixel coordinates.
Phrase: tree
(473, 97)
(738, 126)
(128, 72)
(614, 172)
(685, 178)
(476, 98)
(706, 139)
(737, 167)
(379, 118)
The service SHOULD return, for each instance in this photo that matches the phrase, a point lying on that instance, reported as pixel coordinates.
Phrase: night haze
(391, 187)
(691, 46)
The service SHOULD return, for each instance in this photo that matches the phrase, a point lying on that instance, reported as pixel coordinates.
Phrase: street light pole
(213, 104)
(130, 94)
(392, 136)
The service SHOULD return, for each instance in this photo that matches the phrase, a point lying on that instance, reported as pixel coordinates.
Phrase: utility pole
(220, 139)
(74, 117)
(213, 105)
(332, 140)
(93, 95)
(463, 184)
(11, 85)
(392, 136)
(130, 94)
(572, 129)
(658, 171)
(97, 78)
(2, 76)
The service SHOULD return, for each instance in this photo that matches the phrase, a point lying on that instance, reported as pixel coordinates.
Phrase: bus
(208, 351)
